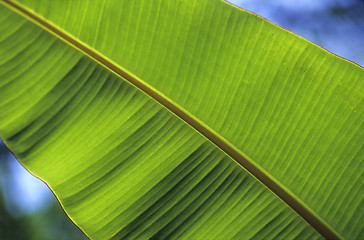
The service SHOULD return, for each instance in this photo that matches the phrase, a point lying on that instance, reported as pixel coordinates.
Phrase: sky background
(336, 25)
(29, 210)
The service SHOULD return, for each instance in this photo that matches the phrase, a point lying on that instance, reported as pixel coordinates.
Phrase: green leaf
(229, 89)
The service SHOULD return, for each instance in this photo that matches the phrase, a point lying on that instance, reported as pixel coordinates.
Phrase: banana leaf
(182, 120)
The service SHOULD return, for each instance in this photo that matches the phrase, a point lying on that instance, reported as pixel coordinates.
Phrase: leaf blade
(253, 118)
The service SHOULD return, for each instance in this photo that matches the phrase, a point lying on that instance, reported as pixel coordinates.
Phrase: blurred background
(29, 210)
(336, 25)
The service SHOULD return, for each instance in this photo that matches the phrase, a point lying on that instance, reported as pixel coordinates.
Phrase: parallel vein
(219, 141)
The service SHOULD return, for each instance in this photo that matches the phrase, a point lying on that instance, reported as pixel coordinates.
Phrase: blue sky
(336, 25)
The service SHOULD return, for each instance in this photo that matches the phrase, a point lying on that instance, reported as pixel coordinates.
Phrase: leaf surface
(124, 166)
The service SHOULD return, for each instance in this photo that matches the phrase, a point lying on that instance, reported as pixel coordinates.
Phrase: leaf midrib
(264, 177)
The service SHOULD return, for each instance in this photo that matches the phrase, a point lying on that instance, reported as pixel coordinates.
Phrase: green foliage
(123, 166)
